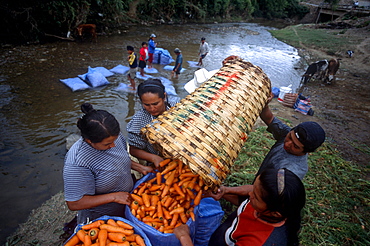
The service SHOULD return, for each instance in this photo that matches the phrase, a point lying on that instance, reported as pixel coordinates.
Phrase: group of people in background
(97, 172)
(146, 55)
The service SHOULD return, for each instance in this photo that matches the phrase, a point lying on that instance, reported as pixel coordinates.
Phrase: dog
(87, 29)
(318, 67)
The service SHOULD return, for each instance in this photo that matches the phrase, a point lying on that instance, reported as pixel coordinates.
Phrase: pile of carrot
(106, 233)
(168, 200)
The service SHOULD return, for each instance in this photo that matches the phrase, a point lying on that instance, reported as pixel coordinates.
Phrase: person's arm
(231, 194)
(90, 201)
(182, 233)
(266, 115)
(141, 168)
(142, 154)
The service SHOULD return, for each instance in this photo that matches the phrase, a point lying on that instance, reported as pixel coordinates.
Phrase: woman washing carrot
(155, 102)
(97, 168)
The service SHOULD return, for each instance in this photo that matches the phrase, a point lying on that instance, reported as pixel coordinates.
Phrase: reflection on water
(37, 112)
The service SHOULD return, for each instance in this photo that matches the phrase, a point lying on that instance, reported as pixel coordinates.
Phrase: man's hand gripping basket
(207, 129)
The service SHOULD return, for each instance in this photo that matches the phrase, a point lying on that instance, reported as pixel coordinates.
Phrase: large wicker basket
(207, 129)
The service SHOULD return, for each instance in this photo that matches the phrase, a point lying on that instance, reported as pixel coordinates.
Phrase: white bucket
(283, 91)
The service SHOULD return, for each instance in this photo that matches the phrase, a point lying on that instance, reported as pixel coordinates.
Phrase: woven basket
(207, 129)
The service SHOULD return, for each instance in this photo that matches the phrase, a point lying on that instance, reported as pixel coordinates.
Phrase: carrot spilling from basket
(168, 200)
(106, 233)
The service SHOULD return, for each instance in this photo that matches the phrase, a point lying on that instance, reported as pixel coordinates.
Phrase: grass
(337, 210)
(333, 41)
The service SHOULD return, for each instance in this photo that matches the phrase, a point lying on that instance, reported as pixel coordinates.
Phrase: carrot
(164, 162)
(187, 205)
(166, 214)
(73, 241)
(137, 198)
(184, 180)
(131, 238)
(112, 222)
(154, 200)
(93, 233)
(174, 219)
(190, 193)
(188, 174)
(154, 187)
(150, 208)
(179, 167)
(140, 240)
(172, 165)
(165, 191)
(125, 243)
(159, 210)
(173, 205)
(168, 202)
(117, 237)
(177, 210)
(183, 217)
(161, 229)
(171, 178)
(87, 241)
(102, 237)
(111, 228)
(81, 235)
(192, 215)
(178, 190)
(124, 225)
(94, 224)
(134, 205)
(201, 181)
(146, 199)
(159, 178)
(149, 219)
(197, 198)
(141, 190)
(192, 183)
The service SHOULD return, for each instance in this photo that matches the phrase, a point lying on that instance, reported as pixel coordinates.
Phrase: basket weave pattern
(207, 129)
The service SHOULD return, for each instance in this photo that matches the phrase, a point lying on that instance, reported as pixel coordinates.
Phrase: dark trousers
(218, 237)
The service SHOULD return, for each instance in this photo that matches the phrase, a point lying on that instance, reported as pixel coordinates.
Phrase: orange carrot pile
(167, 204)
(106, 233)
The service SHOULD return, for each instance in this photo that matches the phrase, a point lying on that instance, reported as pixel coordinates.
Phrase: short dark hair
(151, 85)
(203, 39)
(130, 48)
(97, 125)
(143, 43)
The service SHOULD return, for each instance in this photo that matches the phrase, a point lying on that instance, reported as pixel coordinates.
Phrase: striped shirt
(88, 171)
(140, 120)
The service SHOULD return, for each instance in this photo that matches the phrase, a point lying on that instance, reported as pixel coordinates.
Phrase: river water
(38, 112)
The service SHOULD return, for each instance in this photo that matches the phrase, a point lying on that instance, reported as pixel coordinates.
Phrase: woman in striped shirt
(97, 169)
(155, 101)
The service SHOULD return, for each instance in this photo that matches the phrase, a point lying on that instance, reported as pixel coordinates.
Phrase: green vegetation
(332, 41)
(337, 210)
(33, 20)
